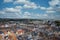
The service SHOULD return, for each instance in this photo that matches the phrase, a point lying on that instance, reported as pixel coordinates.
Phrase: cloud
(34, 15)
(21, 2)
(1, 12)
(42, 8)
(52, 8)
(57, 9)
(50, 11)
(18, 7)
(29, 15)
(11, 12)
(54, 2)
(30, 5)
(41, 16)
(47, 10)
(45, 15)
(26, 15)
(27, 4)
(8, 1)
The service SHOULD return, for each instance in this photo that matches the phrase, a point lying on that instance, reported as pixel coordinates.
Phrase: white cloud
(41, 16)
(15, 10)
(26, 15)
(31, 5)
(21, 2)
(49, 8)
(38, 15)
(31, 15)
(45, 15)
(27, 3)
(43, 8)
(8, 0)
(54, 2)
(50, 11)
(1, 12)
(11, 12)
(18, 7)
(57, 9)
(52, 8)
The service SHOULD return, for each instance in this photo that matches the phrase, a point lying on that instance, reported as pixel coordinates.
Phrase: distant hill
(9, 19)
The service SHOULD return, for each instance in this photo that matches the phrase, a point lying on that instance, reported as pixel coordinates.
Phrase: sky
(32, 9)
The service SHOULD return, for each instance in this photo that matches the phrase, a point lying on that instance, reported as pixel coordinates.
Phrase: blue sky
(34, 9)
